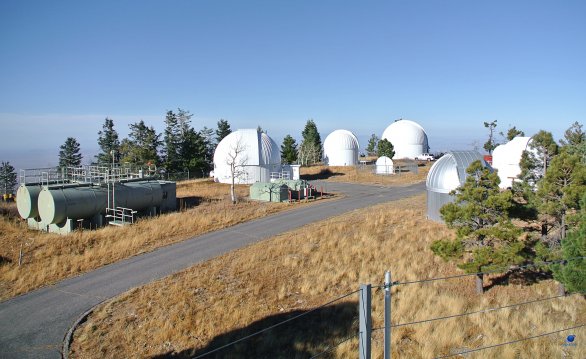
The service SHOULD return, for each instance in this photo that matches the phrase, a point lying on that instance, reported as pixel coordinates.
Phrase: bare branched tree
(237, 160)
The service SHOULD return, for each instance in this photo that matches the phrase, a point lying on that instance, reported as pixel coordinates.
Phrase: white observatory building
(341, 149)
(408, 138)
(254, 153)
(384, 166)
(506, 160)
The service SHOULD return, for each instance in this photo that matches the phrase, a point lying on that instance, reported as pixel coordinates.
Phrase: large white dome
(408, 138)
(255, 153)
(341, 149)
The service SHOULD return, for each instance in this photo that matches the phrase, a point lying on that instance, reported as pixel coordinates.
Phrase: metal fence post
(387, 315)
(365, 328)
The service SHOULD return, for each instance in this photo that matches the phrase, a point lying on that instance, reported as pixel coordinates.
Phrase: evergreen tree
(574, 135)
(573, 274)
(289, 150)
(574, 141)
(371, 149)
(142, 145)
(485, 237)
(108, 142)
(491, 144)
(207, 135)
(310, 148)
(560, 191)
(223, 130)
(534, 162)
(69, 154)
(513, 132)
(194, 152)
(171, 143)
(7, 178)
(385, 148)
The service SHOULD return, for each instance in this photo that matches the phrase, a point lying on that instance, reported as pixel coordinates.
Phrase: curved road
(33, 325)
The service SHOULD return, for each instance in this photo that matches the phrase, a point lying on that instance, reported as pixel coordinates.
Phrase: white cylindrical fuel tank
(26, 201)
(58, 204)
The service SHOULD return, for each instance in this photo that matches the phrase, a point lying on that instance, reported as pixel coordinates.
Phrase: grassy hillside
(50, 257)
(236, 294)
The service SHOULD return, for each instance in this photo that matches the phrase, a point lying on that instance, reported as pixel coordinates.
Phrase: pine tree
(534, 162)
(490, 144)
(574, 141)
(371, 149)
(108, 142)
(171, 143)
(142, 145)
(513, 132)
(573, 274)
(69, 154)
(7, 178)
(560, 191)
(289, 150)
(223, 130)
(485, 237)
(385, 148)
(311, 145)
(207, 135)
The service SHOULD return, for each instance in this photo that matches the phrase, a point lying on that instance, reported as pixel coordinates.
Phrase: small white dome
(408, 138)
(384, 165)
(341, 149)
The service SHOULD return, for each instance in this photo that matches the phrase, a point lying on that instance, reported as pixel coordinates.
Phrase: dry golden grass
(50, 257)
(358, 174)
(233, 295)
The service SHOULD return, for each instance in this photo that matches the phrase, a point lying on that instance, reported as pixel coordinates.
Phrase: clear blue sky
(359, 65)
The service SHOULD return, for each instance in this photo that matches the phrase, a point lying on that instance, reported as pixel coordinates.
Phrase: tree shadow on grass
(524, 277)
(304, 337)
(322, 175)
(187, 202)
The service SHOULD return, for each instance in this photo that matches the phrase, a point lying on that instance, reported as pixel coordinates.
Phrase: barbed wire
(537, 264)
(329, 349)
(475, 312)
(276, 325)
(510, 342)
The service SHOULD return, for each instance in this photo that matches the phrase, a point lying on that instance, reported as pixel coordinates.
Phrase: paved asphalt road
(34, 325)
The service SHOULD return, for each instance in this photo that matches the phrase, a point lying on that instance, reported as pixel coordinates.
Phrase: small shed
(269, 192)
(384, 166)
(447, 174)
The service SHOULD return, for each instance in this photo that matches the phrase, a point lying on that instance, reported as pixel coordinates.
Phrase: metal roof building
(447, 174)
(255, 154)
(341, 149)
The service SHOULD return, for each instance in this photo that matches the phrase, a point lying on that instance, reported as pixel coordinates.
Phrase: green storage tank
(269, 192)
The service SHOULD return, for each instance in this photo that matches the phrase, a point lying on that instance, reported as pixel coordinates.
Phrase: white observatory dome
(408, 138)
(384, 166)
(255, 154)
(341, 149)
(506, 159)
